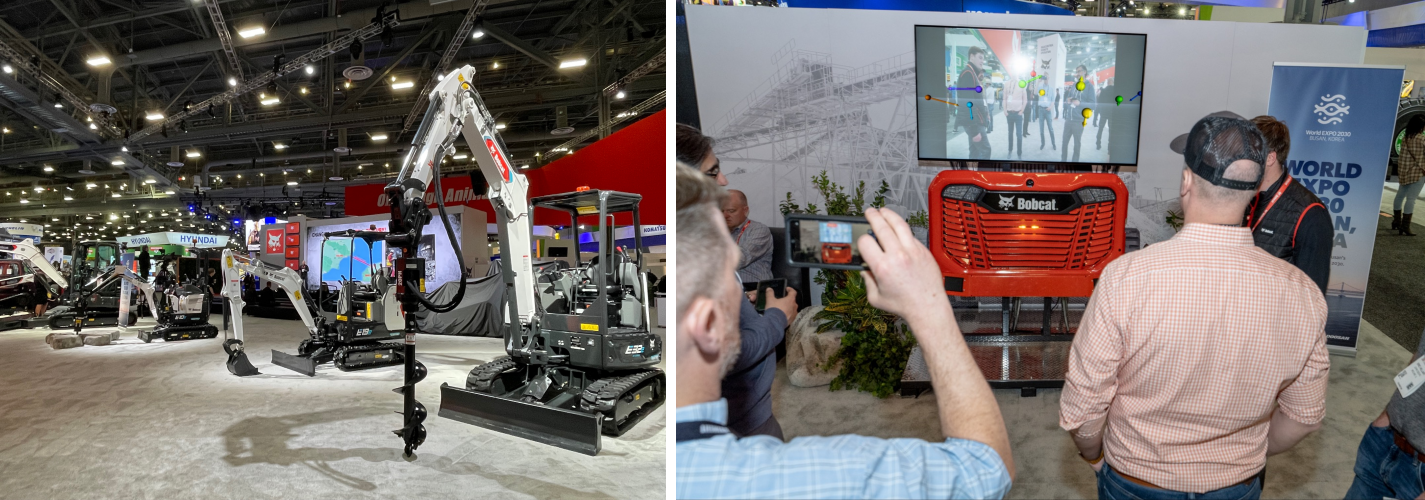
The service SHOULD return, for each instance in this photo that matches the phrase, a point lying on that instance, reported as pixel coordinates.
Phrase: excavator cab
(586, 367)
(92, 298)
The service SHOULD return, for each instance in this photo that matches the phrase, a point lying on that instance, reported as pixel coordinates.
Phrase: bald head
(735, 209)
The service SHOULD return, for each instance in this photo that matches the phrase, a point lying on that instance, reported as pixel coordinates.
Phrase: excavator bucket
(304, 365)
(549, 424)
(237, 359)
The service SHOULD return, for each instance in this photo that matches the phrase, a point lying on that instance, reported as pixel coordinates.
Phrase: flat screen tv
(1006, 95)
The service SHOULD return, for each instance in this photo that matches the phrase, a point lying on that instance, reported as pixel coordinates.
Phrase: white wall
(1412, 59)
(1193, 68)
(1248, 14)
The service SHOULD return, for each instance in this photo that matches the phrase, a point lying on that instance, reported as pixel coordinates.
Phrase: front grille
(980, 239)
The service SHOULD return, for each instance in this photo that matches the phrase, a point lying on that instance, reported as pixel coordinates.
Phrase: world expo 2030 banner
(1341, 119)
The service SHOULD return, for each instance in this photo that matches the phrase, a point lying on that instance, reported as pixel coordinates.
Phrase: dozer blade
(551, 425)
(300, 364)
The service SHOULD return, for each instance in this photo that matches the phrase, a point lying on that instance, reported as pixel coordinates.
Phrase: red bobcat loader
(1020, 234)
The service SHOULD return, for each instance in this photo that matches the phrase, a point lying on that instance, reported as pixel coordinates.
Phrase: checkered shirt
(1187, 346)
(847, 466)
(1412, 159)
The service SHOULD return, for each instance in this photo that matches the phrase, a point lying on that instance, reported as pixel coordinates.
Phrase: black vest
(1275, 231)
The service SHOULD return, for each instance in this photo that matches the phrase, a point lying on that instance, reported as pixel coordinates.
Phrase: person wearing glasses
(696, 149)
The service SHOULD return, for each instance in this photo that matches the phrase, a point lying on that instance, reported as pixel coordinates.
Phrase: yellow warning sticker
(589, 326)
(298, 295)
(341, 317)
(588, 210)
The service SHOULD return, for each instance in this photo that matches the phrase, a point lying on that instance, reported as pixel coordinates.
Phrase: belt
(1141, 482)
(1404, 445)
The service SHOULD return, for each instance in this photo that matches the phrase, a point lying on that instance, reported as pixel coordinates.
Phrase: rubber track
(482, 376)
(601, 395)
(342, 353)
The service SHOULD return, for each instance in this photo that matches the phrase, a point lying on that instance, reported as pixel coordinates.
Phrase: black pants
(1015, 122)
(979, 150)
(1074, 132)
(1101, 124)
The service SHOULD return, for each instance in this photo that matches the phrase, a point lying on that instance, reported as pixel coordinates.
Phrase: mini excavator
(579, 364)
(354, 338)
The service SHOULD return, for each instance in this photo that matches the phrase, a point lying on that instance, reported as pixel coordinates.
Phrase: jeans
(979, 150)
(1406, 196)
(1043, 120)
(1075, 132)
(1100, 121)
(1016, 131)
(1382, 469)
(1112, 486)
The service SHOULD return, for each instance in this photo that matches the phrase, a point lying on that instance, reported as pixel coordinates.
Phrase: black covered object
(480, 313)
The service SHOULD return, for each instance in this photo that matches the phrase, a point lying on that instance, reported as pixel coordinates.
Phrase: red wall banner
(632, 160)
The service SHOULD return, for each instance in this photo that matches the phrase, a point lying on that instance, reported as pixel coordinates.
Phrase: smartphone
(825, 241)
(779, 290)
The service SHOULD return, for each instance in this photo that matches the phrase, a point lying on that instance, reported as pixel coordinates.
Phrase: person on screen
(1044, 114)
(1015, 101)
(1101, 114)
(1287, 219)
(974, 461)
(1199, 356)
(971, 114)
(753, 238)
(1074, 105)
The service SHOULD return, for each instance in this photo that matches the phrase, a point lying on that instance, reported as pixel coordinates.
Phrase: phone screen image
(828, 242)
(778, 287)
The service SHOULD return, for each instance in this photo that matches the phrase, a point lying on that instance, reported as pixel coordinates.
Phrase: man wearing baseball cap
(1199, 356)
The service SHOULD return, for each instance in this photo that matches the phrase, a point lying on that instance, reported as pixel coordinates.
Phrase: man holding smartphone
(973, 461)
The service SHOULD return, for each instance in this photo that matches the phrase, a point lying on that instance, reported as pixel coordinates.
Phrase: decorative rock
(63, 340)
(96, 339)
(808, 351)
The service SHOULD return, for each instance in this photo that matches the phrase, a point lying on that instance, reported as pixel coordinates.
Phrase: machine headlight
(962, 192)
(1095, 195)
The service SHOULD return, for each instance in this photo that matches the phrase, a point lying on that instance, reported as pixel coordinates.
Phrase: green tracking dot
(1118, 99)
(1021, 84)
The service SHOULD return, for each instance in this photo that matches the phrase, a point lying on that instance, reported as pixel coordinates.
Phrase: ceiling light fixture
(573, 63)
(232, 81)
(402, 85)
(378, 137)
(98, 61)
(309, 69)
(499, 126)
(116, 162)
(194, 154)
(477, 34)
(49, 168)
(154, 116)
(252, 32)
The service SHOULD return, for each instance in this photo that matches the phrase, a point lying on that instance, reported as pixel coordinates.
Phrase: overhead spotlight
(402, 85)
(303, 90)
(355, 49)
(98, 61)
(477, 34)
(49, 168)
(378, 137)
(573, 63)
(309, 69)
(252, 32)
(279, 146)
(291, 183)
(188, 105)
(232, 81)
(168, 191)
(59, 105)
(22, 200)
(114, 195)
(116, 162)
(154, 116)
(68, 198)
(194, 154)
(91, 185)
(7, 69)
(499, 126)
(619, 95)
(270, 101)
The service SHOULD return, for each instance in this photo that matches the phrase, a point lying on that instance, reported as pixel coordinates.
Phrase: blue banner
(126, 259)
(1341, 120)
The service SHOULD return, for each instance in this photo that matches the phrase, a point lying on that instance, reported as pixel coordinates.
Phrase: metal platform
(1014, 342)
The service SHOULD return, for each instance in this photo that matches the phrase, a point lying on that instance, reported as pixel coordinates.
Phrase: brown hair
(1277, 134)
(692, 146)
(703, 242)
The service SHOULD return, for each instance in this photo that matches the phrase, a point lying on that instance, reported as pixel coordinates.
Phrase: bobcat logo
(1006, 202)
(274, 241)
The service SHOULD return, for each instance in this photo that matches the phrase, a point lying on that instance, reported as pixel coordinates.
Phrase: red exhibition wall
(632, 160)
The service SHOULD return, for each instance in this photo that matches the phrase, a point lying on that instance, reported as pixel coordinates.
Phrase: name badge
(1411, 378)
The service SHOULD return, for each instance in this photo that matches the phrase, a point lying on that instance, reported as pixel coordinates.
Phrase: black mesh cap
(1215, 142)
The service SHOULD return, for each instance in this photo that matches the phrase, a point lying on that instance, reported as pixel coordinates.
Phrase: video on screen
(828, 242)
(1028, 96)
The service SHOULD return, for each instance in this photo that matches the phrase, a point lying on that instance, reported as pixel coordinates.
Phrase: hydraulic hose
(460, 258)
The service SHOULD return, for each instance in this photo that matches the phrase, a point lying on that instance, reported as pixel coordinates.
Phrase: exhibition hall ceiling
(149, 59)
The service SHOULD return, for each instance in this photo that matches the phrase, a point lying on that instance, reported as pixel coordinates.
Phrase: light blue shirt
(846, 466)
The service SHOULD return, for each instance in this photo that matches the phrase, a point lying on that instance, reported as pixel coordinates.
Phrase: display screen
(980, 91)
(824, 242)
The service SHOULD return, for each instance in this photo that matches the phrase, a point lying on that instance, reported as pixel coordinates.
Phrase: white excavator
(17, 288)
(234, 266)
(580, 356)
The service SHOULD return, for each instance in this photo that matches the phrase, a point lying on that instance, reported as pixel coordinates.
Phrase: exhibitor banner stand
(127, 260)
(1341, 119)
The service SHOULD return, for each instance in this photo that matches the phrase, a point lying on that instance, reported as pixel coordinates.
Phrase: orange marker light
(581, 189)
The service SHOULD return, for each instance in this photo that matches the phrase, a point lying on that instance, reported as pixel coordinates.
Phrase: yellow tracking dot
(1041, 92)
(1088, 113)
